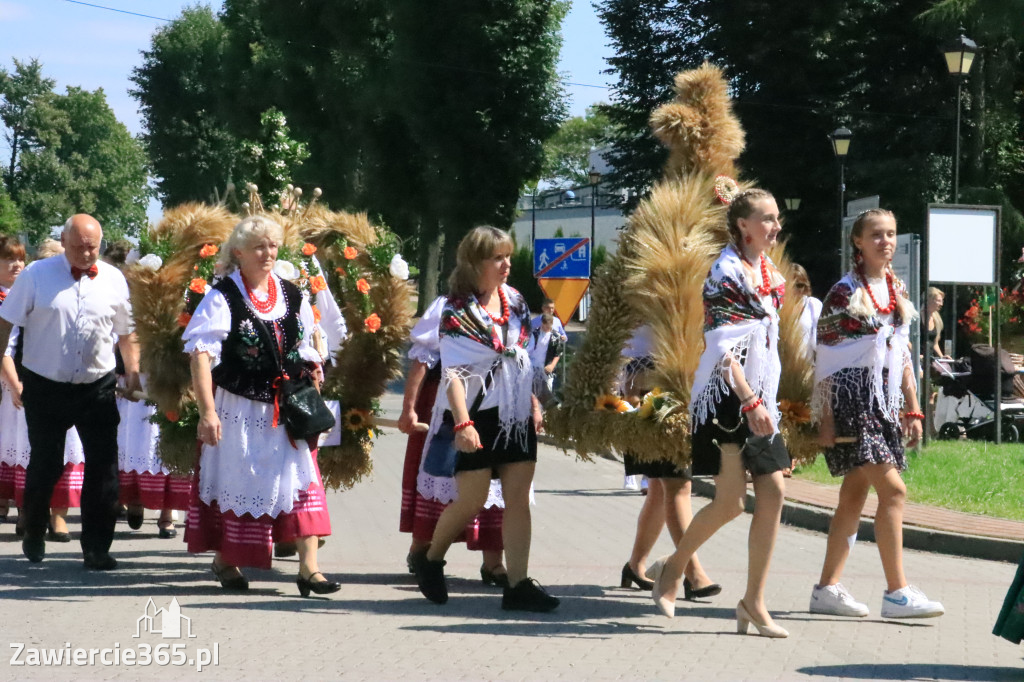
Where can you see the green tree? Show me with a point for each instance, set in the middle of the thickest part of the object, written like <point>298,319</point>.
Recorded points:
<point>30,120</point>
<point>10,216</point>
<point>272,159</point>
<point>567,152</point>
<point>182,96</point>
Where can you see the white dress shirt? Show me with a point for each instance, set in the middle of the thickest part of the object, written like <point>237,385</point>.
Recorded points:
<point>69,326</point>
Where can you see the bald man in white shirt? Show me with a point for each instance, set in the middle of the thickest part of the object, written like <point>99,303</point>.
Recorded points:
<point>69,308</point>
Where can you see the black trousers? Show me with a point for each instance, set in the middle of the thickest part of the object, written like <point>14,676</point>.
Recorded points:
<point>51,408</point>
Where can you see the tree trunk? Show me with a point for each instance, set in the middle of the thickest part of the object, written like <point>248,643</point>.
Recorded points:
<point>431,244</point>
<point>10,171</point>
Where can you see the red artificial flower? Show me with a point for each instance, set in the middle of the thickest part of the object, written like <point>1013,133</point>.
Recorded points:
<point>308,249</point>
<point>350,252</point>
<point>198,285</point>
<point>372,323</point>
<point>317,284</point>
<point>208,250</point>
<point>363,286</point>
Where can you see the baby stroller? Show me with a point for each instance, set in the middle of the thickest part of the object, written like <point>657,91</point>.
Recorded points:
<point>965,406</point>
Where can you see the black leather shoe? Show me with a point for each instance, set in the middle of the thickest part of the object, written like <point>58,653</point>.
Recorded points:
<point>629,577</point>
<point>167,533</point>
<point>58,537</point>
<point>283,550</point>
<point>430,578</point>
<point>34,548</point>
<point>414,559</point>
<point>307,585</point>
<point>238,583</point>
<point>706,591</point>
<point>489,578</point>
<point>135,519</point>
<point>528,595</point>
<point>100,561</point>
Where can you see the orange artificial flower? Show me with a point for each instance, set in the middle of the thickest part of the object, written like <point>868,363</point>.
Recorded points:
<point>198,285</point>
<point>363,286</point>
<point>341,272</point>
<point>317,284</point>
<point>372,323</point>
<point>183,319</point>
<point>208,250</point>
<point>350,252</point>
<point>316,314</point>
<point>308,249</point>
<point>171,415</point>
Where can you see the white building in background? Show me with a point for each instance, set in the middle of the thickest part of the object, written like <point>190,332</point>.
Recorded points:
<point>569,210</point>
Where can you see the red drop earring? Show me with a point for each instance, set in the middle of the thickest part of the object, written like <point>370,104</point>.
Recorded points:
<point>748,239</point>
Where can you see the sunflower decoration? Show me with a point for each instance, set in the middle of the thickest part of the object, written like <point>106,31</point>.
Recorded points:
<point>323,252</point>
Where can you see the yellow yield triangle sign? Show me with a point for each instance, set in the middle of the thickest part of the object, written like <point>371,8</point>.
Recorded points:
<point>566,293</point>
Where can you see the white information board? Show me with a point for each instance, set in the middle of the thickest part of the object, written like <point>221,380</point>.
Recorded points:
<point>962,245</point>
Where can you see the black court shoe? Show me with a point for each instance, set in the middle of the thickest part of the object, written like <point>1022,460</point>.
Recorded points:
<point>430,579</point>
<point>238,583</point>
<point>706,591</point>
<point>34,548</point>
<point>629,577</point>
<point>99,561</point>
<point>489,577</point>
<point>307,585</point>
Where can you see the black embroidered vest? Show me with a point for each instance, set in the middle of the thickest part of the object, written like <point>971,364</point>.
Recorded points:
<point>248,362</point>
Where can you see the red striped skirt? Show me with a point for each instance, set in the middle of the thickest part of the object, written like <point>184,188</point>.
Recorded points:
<point>155,491</point>
<point>67,492</point>
<point>419,515</point>
<point>248,541</point>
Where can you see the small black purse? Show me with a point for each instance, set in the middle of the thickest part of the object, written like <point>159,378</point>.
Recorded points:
<point>302,409</point>
<point>766,454</point>
<point>442,455</point>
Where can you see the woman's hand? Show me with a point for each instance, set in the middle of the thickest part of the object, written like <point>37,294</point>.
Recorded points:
<point>16,390</point>
<point>759,421</point>
<point>913,430</point>
<point>407,420</point>
<point>467,440</point>
<point>538,420</point>
<point>318,377</point>
<point>827,431</point>
<point>209,428</point>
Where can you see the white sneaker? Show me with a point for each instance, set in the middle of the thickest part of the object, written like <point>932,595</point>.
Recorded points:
<point>836,600</point>
<point>909,602</point>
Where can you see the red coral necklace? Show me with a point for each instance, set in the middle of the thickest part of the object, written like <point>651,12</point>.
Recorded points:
<point>500,321</point>
<point>890,284</point>
<point>765,287</point>
<point>267,305</point>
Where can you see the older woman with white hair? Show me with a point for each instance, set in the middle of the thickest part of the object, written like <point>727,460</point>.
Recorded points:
<point>254,485</point>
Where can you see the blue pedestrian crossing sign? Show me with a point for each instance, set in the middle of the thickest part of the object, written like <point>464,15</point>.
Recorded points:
<point>563,258</point>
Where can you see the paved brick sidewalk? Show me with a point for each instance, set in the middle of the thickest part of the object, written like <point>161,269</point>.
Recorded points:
<point>379,628</point>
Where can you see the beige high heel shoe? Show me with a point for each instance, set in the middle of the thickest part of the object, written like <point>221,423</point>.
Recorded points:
<point>744,619</point>
<point>665,607</point>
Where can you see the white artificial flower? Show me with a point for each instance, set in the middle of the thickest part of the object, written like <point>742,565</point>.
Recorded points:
<point>151,261</point>
<point>132,258</point>
<point>285,270</point>
<point>399,268</point>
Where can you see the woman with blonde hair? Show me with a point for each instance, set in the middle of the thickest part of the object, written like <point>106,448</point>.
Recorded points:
<point>733,408</point>
<point>933,330</point>
<point>254,484</point>
<point>864,377</point>
<point>488,403</point>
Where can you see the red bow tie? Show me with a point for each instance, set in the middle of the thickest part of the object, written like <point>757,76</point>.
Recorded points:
<point>90,272</point>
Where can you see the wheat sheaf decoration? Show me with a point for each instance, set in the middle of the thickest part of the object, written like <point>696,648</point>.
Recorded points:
<point>322,250</point>
<point>669,244</point>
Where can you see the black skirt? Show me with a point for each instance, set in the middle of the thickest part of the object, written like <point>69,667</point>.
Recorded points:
<point>494,452</point>
<point>661,468</point>
<point>761,454</point>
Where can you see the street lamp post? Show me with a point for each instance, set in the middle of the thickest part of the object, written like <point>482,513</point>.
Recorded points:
<point>840,138</point>
<point>595,178</point>
<point>959,56</point>
<point>792,204</point>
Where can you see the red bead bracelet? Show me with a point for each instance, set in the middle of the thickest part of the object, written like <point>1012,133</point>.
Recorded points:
<point>752,406</point>
<point>463,425</point>
<point>915,415</point>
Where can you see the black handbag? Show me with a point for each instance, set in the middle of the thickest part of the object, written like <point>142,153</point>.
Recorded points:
<point>442,455</point>
<point>303,410</point>
<point>765,454</point>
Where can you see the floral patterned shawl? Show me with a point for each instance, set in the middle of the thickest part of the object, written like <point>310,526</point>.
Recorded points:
<point>472,346</point>
<point>738,325</point>
<point>851,333</point>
